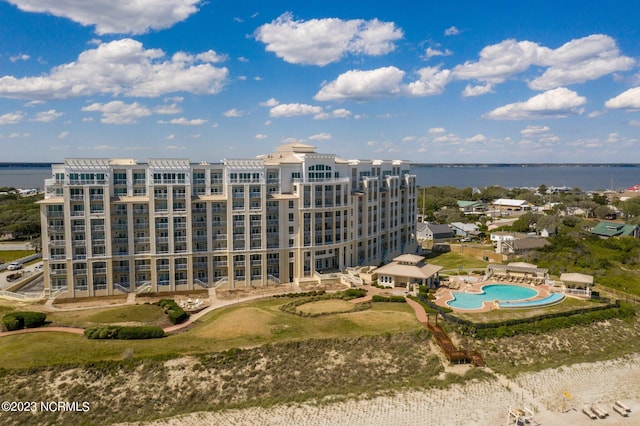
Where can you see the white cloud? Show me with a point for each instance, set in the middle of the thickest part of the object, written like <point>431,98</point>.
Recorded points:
<point>63,135</point>
<point>581,60</point>
<point>17,135</point>
<point>576,61</point>
<point>341,113</point>
<point>121,67</point>
<point>117,112</point>
<point>269,103</point>
<point>261,136</point>
<point>534,130</point>
<point>432,82</point>
<point>290,110</point>
<point>336,113</point>
<point>476,138</point>
<point>170,137</point>
<point>320,137</point>
<point>451,31</point>
<point>47,116</point>
<point>233,112</point>
<point>184,121</point>
<point>629,99</point>
<point>21,57</point>
<point>116,16</point>
<point>470,91</point>
<point>436,130</point>
<point>322,41</point>
<point>500,61</point>
<point>430,53</point>
<point>168,109</point>
<point>11,118</point>
<point>555,103</point>
<point>361,85</point>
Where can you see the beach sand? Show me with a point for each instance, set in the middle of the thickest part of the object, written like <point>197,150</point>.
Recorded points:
<point>474,403</point>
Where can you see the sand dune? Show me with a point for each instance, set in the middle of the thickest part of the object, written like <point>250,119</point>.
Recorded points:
<point>475,403</point>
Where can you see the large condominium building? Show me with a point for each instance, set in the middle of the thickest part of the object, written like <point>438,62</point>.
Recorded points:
<point>117,225</point>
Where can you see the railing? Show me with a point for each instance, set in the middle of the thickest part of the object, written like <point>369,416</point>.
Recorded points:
<point>121,288</point>
<point>200,283</point>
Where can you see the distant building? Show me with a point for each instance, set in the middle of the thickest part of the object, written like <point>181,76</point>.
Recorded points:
<point>472,207</point>
<point>434,232</point>
<point>465,230</point>
<point>614,229</point>
<point>520,246</point>
<point>506,204</point>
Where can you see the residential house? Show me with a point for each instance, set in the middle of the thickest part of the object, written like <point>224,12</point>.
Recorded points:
<point>465,230</point>
<point>520,246</point>
<point>509,205</point>
<point>614,229</point>
<point>472,207</point>
<point>433,232</point>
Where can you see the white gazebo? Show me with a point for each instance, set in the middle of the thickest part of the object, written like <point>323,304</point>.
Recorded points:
<point>576,284</point>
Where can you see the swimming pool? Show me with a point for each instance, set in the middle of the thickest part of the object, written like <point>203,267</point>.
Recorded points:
<point>506,295</point>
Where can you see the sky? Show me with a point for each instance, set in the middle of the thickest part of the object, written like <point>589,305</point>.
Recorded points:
<point>447,82</point>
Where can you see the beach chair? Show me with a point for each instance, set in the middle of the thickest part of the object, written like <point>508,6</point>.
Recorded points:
<point>620,410</point>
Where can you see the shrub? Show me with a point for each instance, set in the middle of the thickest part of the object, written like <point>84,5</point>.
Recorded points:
<point>124,333</point>
<point>378,298</point>
<point>397,299</point>
<point>176,314</point>
<point>26,319</point>
<point>353,293</point>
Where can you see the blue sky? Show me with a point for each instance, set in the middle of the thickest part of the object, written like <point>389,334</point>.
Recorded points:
<point>461,81</point>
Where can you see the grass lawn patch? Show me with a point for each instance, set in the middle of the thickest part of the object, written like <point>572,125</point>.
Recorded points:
<point>11,255</point>
<point>454,261</point>
<point>326,306</point>
<point>133,314</point>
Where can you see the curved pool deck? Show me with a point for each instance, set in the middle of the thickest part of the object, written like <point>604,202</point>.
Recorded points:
<point>538,297</point>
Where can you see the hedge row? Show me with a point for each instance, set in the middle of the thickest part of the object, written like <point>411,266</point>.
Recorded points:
<point>352,293</point>
<point>392,299</point>
<point>124,333</point>
<point>26,319</point>
<point>176,314</point>
<point>534,325</point>
<point>304,294</point>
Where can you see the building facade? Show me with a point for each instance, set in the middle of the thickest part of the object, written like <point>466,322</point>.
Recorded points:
<point>111,226</point>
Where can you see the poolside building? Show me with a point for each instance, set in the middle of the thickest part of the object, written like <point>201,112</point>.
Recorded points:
<point>112,226</point>
<point>407,270</point>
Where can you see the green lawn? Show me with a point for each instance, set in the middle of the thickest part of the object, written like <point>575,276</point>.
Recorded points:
<point>246,325</point>
<point>146,314</point>
<point>11,255</point>
<point>454,261</point>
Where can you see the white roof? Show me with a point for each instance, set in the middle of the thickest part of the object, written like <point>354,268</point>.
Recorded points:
<point>510,202</point>
<point>575,277</point>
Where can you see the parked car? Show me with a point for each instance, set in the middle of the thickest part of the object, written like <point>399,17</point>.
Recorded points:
<point>38,268</point>
<point>14,265</point>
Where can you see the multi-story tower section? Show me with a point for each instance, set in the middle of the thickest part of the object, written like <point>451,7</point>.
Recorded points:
<point>112,226</point>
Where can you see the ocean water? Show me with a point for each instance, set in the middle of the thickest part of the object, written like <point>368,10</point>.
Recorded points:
<point>589,177</point>
<point>24,177</point>
<point>586,177</point>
